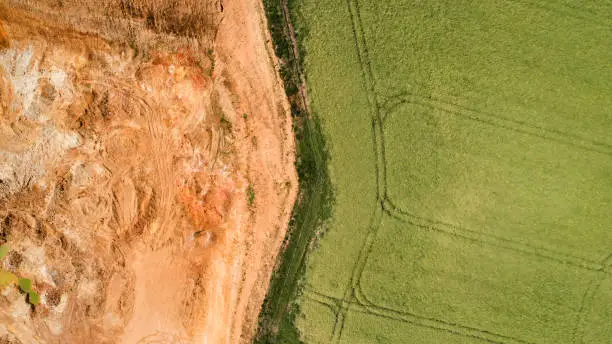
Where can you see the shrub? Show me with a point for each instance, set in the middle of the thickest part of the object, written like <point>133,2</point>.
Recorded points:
<point>250,195</point>
<point>25,284</point>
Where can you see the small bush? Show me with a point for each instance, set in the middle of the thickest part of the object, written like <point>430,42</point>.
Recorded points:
<point>7,278</point>
<point>33,298</point>
<point>250,195</point>
<point>4,249</point>
<point>25,284</point>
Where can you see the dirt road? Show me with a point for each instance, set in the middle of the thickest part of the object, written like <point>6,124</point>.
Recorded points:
<point>244,42</point>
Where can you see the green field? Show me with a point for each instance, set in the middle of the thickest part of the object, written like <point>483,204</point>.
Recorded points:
<point>471,158</point>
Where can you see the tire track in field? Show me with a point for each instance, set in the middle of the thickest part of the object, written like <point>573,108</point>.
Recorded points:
<point>447,326</point>
<point>352,298</point>
<point>357,270</point>
<point>319,298</point>
<point>502,122</point>
<point>368,83</point>
<point>394,211</point>
<point>364,306</point>
<point>488,239</point>
<point>569,11</point>
<point>351,291</point>
<point>468,234</point>
<point>351,295</point>
<point>462,110</point>
<point>588,298</point>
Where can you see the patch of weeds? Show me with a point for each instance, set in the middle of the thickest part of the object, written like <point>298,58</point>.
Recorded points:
<point>226,124</point>
<point>315,199</point>
<point>25,284</point>
<point>4,249</point>
<point>212,66</point>
<point>250,195</point>
<point>132,40</point>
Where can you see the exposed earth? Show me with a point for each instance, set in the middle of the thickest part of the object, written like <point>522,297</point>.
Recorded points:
<point>146,169</point>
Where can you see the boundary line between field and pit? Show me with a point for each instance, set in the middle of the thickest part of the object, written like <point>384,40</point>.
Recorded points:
<point>315,196</point>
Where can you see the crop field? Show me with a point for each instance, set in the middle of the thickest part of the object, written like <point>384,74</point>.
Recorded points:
<point>471,157</point>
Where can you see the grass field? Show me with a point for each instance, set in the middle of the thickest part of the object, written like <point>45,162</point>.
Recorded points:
<point>471,158</point>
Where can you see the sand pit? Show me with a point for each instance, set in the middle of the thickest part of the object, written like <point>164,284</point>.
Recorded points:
<point>146,170</point>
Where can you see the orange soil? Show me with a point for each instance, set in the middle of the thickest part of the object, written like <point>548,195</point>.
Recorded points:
<point>243,43</point>
<point>124,168</point>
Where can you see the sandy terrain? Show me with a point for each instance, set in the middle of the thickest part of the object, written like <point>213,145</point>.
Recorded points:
<point>146,169</point>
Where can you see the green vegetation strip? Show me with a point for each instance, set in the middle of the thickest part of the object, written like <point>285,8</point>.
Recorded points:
<point>313,207</point>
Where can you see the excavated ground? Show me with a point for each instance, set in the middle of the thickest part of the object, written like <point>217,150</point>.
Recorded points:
<point>146,169</point>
